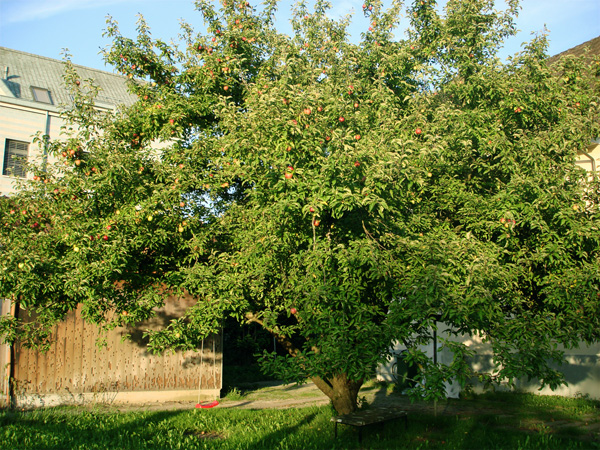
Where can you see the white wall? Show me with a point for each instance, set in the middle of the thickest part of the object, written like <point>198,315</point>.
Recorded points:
<point>20,121</point>
<point>581,370</point>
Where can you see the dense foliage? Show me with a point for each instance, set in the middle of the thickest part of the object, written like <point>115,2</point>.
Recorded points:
<point>340,195</point>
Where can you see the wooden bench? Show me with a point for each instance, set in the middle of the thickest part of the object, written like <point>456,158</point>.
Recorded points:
<point>359,419</point>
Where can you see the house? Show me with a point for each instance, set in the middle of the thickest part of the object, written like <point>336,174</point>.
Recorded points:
<point>75,369</point>
<point>582,368</point>
<point>31,92</point>
<point>589,158</point>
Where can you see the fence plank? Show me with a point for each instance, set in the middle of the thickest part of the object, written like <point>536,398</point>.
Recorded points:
<point>76,365</point>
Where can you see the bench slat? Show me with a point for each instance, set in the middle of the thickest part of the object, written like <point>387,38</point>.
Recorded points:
<point>360,419</point>
<point>369,416</point>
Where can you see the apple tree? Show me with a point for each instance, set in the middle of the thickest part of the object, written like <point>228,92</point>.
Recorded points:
<point>341,195</point>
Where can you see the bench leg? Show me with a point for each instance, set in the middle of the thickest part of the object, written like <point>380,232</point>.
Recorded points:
<point>335,430</point>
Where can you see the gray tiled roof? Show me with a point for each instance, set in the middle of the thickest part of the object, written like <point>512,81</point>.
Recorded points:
<point>25,70</point>
<point>592,47</point>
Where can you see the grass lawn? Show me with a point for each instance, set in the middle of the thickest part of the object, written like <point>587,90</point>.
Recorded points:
<point>498,421</point>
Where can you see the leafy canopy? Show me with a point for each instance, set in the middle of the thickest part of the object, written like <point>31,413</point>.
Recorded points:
<point>341,195</point>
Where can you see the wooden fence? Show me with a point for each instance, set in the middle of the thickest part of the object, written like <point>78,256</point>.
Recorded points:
<point>76,370</point>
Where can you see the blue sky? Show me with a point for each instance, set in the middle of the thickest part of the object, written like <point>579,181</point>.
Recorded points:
<point>45,27</point>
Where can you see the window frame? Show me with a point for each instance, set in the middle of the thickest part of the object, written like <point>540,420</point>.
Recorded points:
<point>13,161</point>
<point>39,94</point>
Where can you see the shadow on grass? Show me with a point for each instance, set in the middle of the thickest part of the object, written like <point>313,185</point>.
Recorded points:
<point>63,428</point>
<point>273,439</point>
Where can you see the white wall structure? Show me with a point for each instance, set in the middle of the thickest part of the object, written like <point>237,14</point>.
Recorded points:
<point>581,370</point>
<point>31,93</point>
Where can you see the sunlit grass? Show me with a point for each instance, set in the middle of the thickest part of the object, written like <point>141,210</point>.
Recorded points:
<point>507,421</point>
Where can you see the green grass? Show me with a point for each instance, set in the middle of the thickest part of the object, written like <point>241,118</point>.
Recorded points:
<point>499,421</point>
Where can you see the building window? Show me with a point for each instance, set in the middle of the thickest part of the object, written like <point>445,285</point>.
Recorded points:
<point>15,157</point>
<point>41,95</point>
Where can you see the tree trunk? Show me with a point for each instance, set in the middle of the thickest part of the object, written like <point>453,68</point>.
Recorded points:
<point>342,392</point>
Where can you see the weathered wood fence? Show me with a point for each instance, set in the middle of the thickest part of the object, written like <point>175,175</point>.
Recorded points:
<point>76,370</point>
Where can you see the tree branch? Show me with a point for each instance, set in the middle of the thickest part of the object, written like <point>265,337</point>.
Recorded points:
<point>282,340</point>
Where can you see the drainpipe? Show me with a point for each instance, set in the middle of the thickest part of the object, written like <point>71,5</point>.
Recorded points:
<point>8,368</point>
<point>11,399</point>
<point>435,409</point>
<point>46,140</point>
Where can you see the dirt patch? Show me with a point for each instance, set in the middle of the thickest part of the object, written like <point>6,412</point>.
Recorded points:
<point>205,435</point>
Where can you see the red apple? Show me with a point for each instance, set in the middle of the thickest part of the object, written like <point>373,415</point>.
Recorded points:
<point>105,237</point>
<point>316,223</point>
<point>311,209</point>
<point>288,175</point>
<point>356,164</point>
<point>293,310</point>
<point>418,131</point>
<point>307,111</point>
<point>341,119</point>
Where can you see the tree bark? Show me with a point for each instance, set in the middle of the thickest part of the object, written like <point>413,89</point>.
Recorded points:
<point>342,392</point>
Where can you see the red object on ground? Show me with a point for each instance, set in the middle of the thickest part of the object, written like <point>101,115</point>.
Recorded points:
<point>207,405</point>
